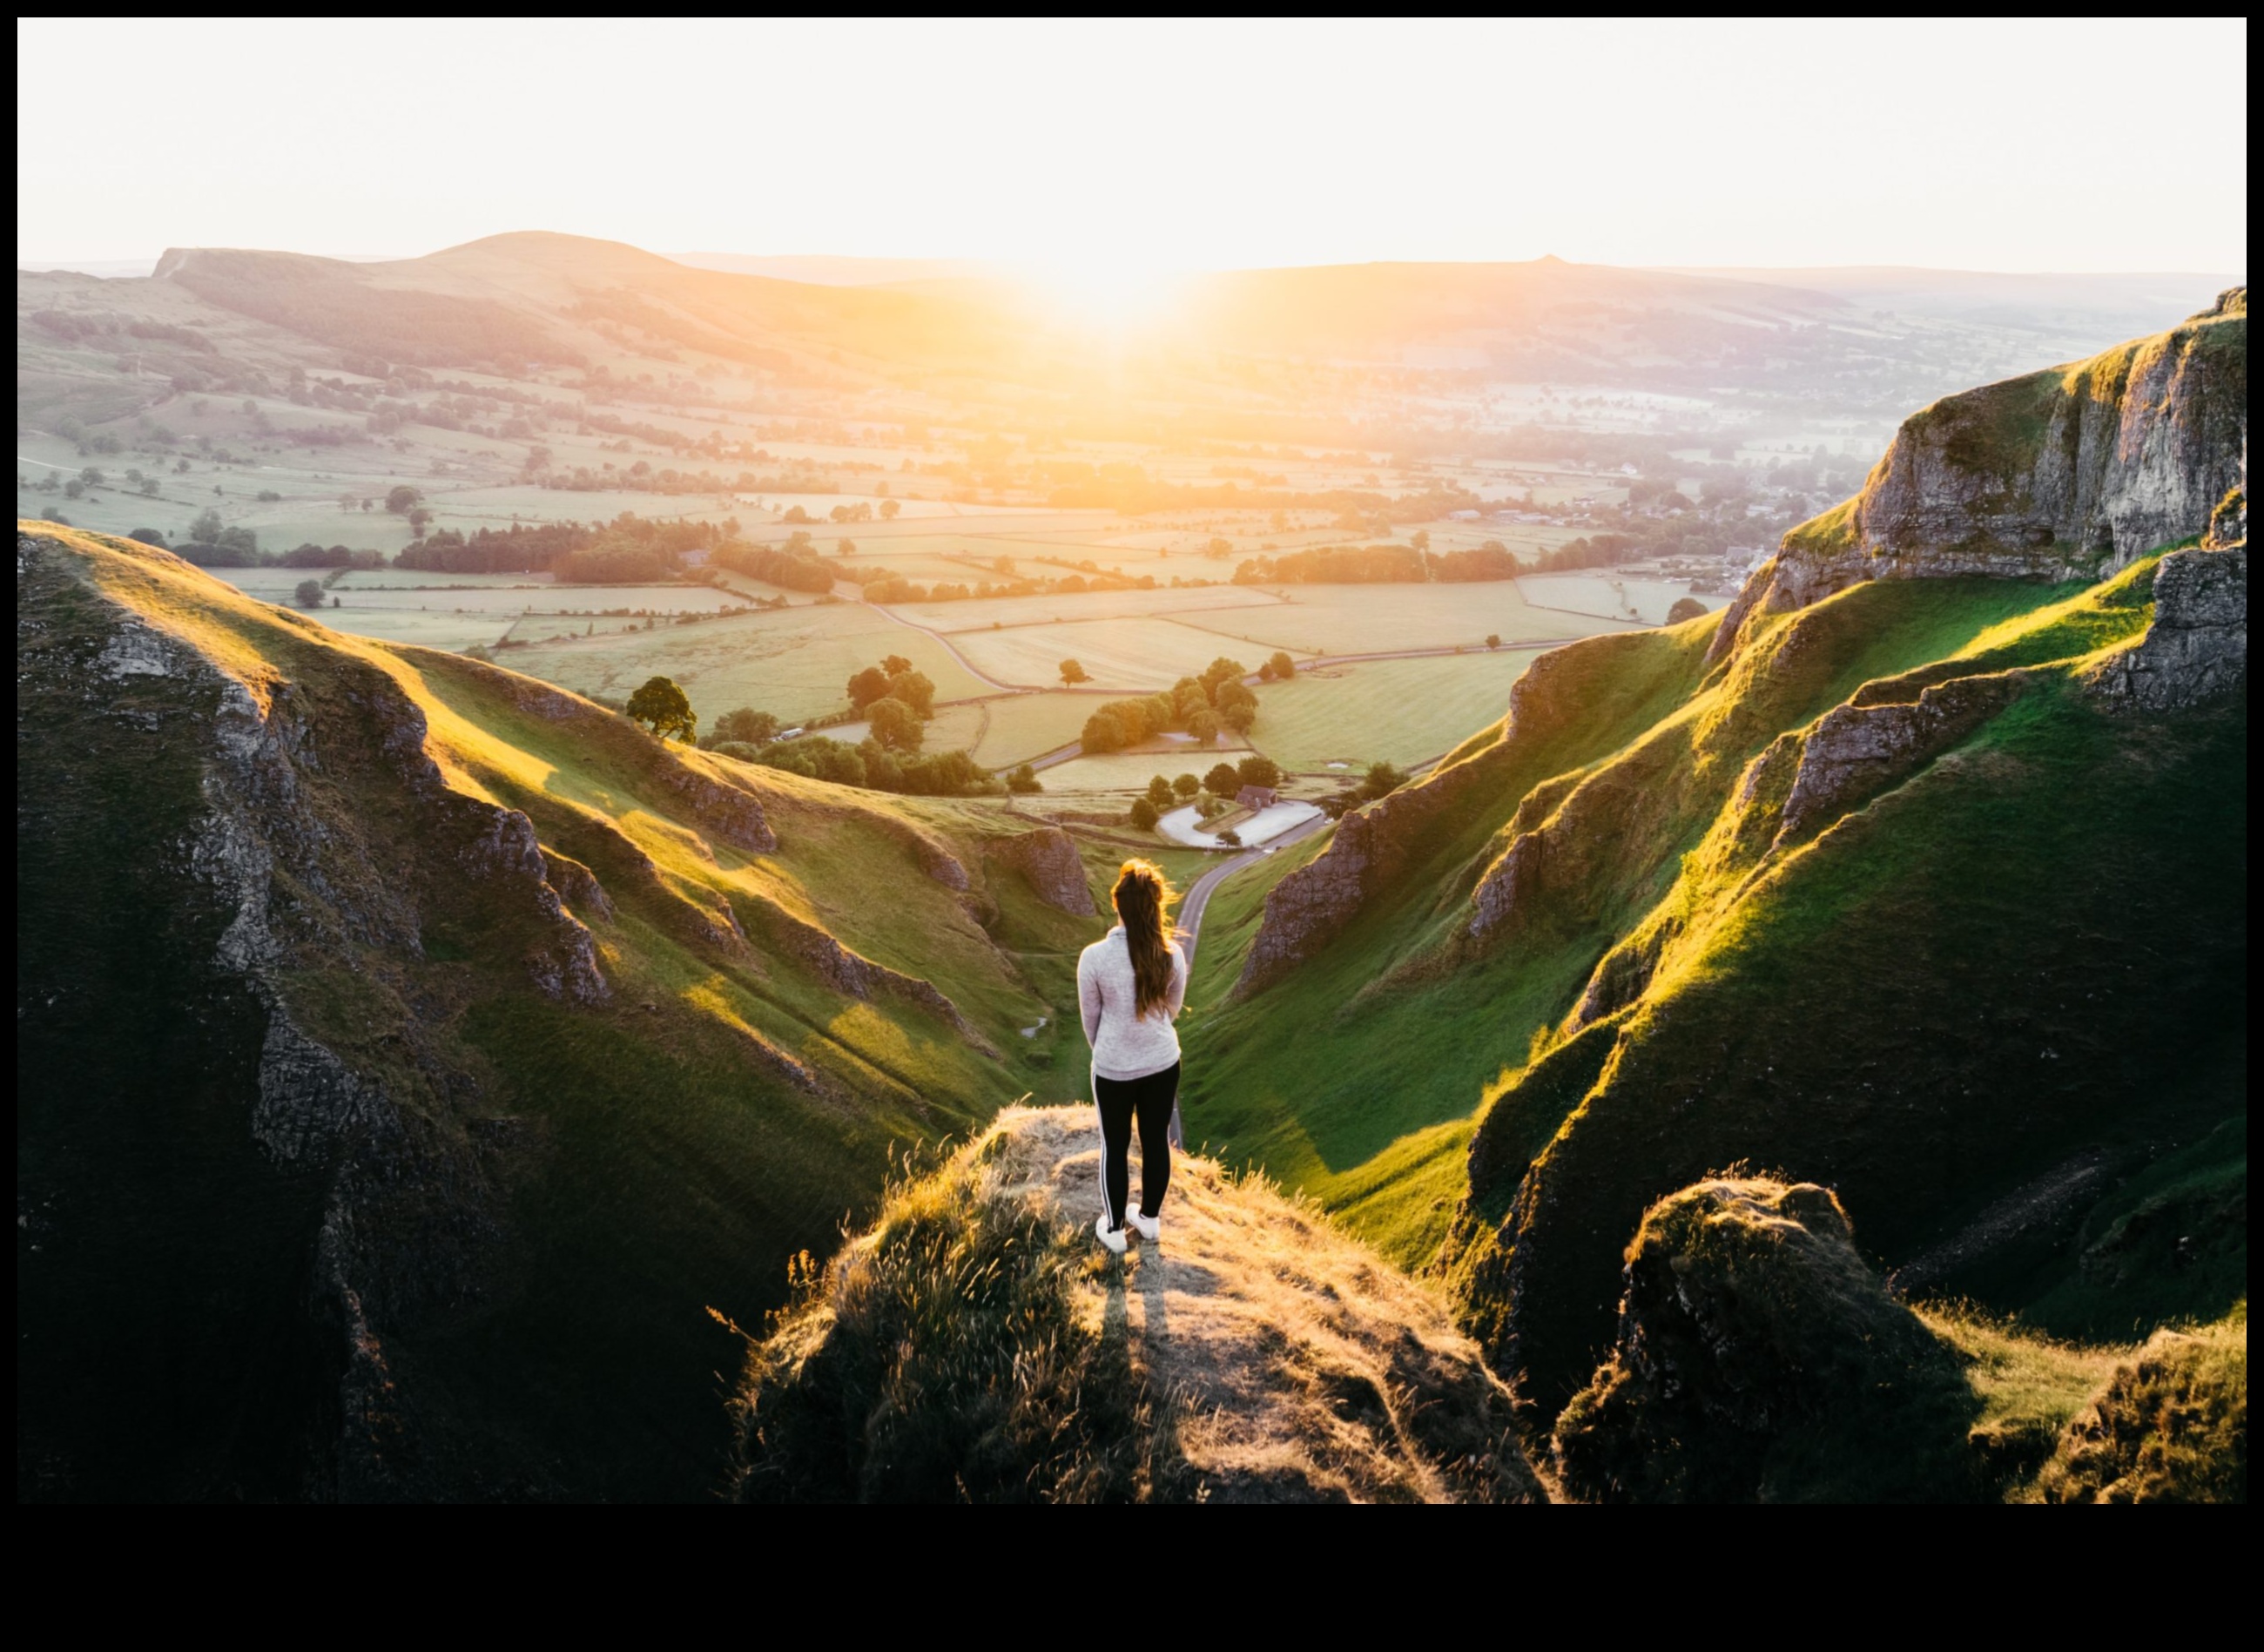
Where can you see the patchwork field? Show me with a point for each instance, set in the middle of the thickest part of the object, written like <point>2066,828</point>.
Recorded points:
<point>1356,619</point>
<point>1113,780</point>
<point>793,663</point>
<point>1402,711</point>
<point>1608,595</point>
<point>1018,727</point>
<point>1131,654</point>
<point>1074,607</point>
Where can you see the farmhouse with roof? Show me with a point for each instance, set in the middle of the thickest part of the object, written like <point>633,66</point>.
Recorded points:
<point>1257,797</point>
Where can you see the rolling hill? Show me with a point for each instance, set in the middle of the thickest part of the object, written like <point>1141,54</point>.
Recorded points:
<point>1920,874</point>
<point>410,1054</point>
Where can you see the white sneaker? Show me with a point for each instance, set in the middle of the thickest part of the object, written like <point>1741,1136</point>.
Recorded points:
<point>1148,1227</point>
<point>1112,1237</point>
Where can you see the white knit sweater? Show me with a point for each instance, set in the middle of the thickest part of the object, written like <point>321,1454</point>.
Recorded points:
<point>1126,1045</point>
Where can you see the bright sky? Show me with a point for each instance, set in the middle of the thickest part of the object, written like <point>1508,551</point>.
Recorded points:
<point>2075,146</point>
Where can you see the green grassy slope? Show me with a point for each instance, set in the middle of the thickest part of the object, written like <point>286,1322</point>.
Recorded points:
<point>2011,962</point>
<point>542,1195</point>
<point>1399,1025</point>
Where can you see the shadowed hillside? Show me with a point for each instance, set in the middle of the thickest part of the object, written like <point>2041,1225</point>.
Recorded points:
<point>409,1053</point>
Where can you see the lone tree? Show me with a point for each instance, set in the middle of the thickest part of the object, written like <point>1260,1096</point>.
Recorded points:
<point>1072,673</point>
<point>308,595</point>
<point>895,724</point>
<point>1186,786</point>
<point>1493,639</point>
<point>1203,726</point>
<point>1685,608</point>
<point>1024,781</point>
<point>1159,792</point>
<point>1143,814</point>
<point>401,498</point>
<point>1284,668</point>
<point>1383,780</point>
<point>1221,780</point>
<point>661,707</point>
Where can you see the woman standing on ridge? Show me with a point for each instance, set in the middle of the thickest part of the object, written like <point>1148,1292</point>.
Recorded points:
<point>1130,983</point>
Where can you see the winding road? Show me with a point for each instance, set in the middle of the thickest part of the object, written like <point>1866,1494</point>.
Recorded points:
<point>1197,900</point>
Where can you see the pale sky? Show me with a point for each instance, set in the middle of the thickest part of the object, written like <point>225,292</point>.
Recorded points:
<point>2075,146</point>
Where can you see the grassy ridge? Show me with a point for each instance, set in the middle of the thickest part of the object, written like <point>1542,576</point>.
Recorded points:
<point>594,1175</point>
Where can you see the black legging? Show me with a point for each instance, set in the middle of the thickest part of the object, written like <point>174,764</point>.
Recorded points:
<point>1152,1098</point>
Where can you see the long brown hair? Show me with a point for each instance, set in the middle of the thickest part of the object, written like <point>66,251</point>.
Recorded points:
<point>1140,894</point>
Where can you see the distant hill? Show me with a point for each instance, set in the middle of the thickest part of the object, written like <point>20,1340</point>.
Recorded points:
<point>411,1053</point>
<point>826,270</point>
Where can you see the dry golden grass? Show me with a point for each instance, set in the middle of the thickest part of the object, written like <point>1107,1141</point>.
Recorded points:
<point>1304,1364</point>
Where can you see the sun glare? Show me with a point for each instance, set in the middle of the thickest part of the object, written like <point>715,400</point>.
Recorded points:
<point>1113,290</point>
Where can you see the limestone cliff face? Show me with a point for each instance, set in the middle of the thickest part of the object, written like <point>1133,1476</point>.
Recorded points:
<point>2067,474</point>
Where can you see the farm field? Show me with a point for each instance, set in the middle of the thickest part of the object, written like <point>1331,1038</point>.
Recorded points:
<point>1113,780</point>
<point>1018,727</point>
<point>419,580</point>
<point>925,566</point>
<point>1137,652</point>
<point>1609,595</point>
<point>793,663</point>
<point>434,628</point>
<point>1358,619</point>
<point>1073,606</point>
<point>1400,711</point>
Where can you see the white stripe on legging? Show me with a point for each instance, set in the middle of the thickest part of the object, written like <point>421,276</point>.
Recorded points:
<point>1101,1119</point>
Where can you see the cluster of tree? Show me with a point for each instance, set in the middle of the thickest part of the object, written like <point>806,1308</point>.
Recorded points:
<point>1381,781</point>
<point>212,544</point>
<point>1223,781</point>
<point>896,703</point>
<point>871,765</point>
<point>1218,699</point>
<point>313,556</point>
<point>796,569</point>
<point>1413,563</point>
<point>659,548</point>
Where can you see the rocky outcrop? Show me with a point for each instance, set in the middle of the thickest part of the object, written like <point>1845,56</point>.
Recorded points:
<point>2067,474</point>
<point>577,886</point>
<point>1310,907</point>
<point>1855,751</point>
<point>723,811</point>
<point>1048,863</point>
<point>2196,649</point>
<point>1759,1359</point>
<point>856,975</point>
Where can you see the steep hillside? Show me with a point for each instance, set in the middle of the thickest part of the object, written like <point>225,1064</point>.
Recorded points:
<point>975,1345</point>
<point>1923,877</point>
<point>409,1053</point>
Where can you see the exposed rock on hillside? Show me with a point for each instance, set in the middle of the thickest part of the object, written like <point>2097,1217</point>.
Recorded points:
<point>1254,1355</point>
<point>1048,860</point>
<point>2197,648</point>
<point>858,977</point>
<point>1373,845</point>
<point>2067,474</point>
<point>1855,751</point>
<point>1759,1359</point>
<point>331,1105</point>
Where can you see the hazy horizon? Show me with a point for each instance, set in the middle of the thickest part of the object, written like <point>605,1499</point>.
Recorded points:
<point>1115,154</point>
